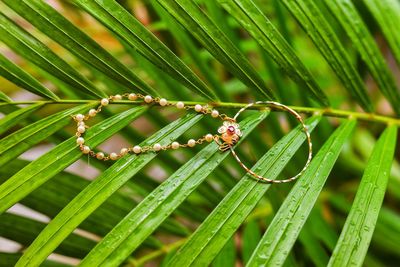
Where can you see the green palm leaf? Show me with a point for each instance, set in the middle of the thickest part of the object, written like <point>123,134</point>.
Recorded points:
<point>23,79</point>
<point>27,229</point>
<point>387,14</point>
<point>365,209</point>
<point>17,116</point>
<point>4,97</point>
<point>9,259</point>
<point>69,185</point>
<point>190,47</point>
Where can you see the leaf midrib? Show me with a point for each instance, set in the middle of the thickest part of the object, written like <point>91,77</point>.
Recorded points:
<point>327,112</point>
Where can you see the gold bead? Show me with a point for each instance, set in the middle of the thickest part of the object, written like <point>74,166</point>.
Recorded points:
<point>86,150</point>
<point>81,129</point>
<point>148,99</point>
<point>132,97</point>
<point>157,147</point>
<point>113,156</point>
<point>214,113</point>
<point>198,108</point>
<point>163,102</point>
<point>100,155</point>
<point>124,151</point>
<point>79,117</point>
<point>191,143</point>
<point>137,149</point>
<point>104,102</point>
<point>175,145</point>
<point>92,112</point>
<point>209,137</point>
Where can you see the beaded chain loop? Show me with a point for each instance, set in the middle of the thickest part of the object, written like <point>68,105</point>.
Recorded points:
<point>81,126</point>
<point>228,134</point>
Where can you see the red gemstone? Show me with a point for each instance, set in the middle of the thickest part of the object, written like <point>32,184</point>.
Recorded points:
<point>231,130</point>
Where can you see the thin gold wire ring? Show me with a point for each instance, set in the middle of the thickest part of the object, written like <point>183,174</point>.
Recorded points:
<point>306,132</point>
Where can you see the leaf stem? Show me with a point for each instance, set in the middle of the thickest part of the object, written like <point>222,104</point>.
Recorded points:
<point>371,117</point>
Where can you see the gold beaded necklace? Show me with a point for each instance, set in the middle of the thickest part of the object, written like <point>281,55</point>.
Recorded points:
<point>228,134</point>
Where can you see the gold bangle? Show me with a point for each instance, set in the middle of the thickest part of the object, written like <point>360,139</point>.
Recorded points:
<point>306,132</point>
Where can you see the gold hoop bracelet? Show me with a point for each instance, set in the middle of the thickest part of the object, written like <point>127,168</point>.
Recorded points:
<point>229,132</point>
<point>306,132</point>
